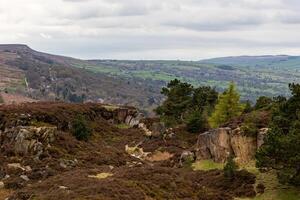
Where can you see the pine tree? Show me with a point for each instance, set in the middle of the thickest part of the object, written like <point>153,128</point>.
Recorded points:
<point>281,148</point>
<point>228,107</point>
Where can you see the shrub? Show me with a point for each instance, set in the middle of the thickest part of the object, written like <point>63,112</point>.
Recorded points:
<point>230,168</point>
<point>1,99</point>
<point>196,122</point>
<point>81,129</point>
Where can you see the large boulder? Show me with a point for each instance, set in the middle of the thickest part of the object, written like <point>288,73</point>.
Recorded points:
<point>218,144</point>
<point>214,144</point>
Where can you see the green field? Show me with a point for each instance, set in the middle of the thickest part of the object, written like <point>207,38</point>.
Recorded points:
<point>253,80</point>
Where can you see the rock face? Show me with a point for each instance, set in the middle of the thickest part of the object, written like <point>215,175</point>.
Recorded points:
<point>244,148</point>
<point>214,144</point>
<point>218,144</point>
<point>24,140</point>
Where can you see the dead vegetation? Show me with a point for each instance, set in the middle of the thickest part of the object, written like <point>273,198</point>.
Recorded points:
<point>100,168</point>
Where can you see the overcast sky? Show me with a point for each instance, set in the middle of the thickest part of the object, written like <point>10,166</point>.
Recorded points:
<point>153,29</point>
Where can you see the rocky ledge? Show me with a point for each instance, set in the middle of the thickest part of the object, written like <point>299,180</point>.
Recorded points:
<point>218,144</point>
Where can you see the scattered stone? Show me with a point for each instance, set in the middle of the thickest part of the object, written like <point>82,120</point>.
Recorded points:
<point>24,177</point>
<point>27,168</point>
<point>136,152</point>
<point>63,187</point>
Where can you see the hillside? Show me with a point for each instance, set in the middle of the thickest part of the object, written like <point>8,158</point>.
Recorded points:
<point>43,76</point>
<point>48,77</point>
<point>252,81</point>
<point>41,159</point>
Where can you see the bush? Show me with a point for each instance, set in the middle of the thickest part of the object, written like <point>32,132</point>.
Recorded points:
<point>230,168</point>
<point>196,122</point>
<point>81,129</point>
<point>1,99</point>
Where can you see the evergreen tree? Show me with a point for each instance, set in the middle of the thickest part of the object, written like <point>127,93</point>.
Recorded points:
<point>230,168</point>
<point>186,104</point>
<point>281,149</point>
<point>179,96</point>
<point>227,108</point>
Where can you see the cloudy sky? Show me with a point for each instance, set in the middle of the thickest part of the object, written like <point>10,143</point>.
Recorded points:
<point>153,29</point>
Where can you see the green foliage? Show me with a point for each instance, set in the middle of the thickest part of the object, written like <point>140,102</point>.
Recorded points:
<point>248,108</point>
<point>186,104</point>
<point>230,168</point>
<point>263,102</point>
<point>179,96</point>
<point>80,128</point>
<point>281,150</point>
<point>227,108</point>
<point>1,99</point>
<point>197,122</point>
<point>251,124</point>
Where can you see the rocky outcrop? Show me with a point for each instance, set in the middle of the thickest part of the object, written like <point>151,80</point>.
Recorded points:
<point>27,140</point>
<point>61,114</point>
<point>244,148</point>
<point>214,144</point>
<point>218,144</point>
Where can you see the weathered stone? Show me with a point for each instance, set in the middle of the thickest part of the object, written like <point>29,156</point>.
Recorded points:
<point>26,140</point>
<point>261,136</point>
<point>157,129</point>
<point>214,144</point>
<point>24,177</point>
<point>15,166</point>
<point>243,147</point>
<point>219,143</point>
<point>136,120</point>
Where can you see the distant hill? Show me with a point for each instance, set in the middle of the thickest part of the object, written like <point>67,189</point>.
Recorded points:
<point>38,75</point>
<point>258,61</point>
<point>44,76</point>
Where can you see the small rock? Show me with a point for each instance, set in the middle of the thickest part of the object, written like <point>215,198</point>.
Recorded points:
<point>24,177</point>
<point>6,177</point>
<point>1,185</point>
<point>28,169</point>
<point>15,166</point>
<point>63,187</point>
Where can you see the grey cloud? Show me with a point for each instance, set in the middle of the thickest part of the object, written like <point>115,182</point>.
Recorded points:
<point>152,28</point>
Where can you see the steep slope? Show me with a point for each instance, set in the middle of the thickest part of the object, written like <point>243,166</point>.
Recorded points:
<point>49,77</point>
